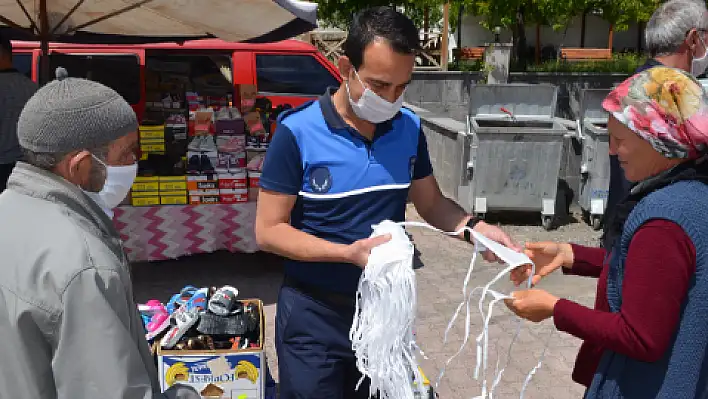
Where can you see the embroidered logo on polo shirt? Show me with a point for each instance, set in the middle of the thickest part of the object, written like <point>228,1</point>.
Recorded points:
<point>320,179</point>
<point>411,166</point>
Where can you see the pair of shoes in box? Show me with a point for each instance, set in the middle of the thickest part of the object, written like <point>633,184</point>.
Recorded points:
<point>202,144</point>
<point>200,164</point>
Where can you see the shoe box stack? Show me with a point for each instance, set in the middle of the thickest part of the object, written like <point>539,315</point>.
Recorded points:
<point>231,165</point>
<point>209,339</point>
<point>216,165</point>
<point>161,179</point>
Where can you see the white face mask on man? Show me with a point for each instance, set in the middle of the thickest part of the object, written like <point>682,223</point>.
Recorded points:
<point>371,107</point>
<point>700,64</point>
<point>119,180</point>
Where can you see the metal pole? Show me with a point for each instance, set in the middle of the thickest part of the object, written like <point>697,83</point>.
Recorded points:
<point>44,36</point>
<point>445,34</point>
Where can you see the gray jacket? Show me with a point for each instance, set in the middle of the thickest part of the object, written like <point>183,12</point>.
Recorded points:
<point>69,326</point>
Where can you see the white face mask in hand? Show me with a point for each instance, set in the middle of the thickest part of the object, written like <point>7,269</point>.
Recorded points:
<point>371,107</point>
<point>119,180</point>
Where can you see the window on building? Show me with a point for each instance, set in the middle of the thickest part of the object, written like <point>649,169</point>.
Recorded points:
<point>292,74</point>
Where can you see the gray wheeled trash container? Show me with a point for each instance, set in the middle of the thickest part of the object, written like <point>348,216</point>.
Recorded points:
<point>515,150</point>
<point>595,164</point>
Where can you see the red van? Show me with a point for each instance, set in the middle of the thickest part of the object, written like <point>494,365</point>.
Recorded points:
<point>289,72</point>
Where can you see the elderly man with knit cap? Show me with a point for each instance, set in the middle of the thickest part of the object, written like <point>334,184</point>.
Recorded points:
<point>69,327</point>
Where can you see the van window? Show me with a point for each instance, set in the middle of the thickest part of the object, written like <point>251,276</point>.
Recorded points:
<point>292,74</point>
<point>23,63</point>
<point>121,72</point>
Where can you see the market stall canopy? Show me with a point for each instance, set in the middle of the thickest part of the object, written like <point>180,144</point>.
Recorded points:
<point>133,21</point>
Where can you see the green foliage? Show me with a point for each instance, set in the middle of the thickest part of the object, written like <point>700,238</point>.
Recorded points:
<point>338,13</point>
<point>558,14</point>
<point>620,63</point>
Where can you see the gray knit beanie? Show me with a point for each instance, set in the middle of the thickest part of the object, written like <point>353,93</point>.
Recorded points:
<point>70,114</point>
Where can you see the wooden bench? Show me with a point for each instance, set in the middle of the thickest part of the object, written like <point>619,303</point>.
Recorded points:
<point>472,53</point>
<point>586,54</point>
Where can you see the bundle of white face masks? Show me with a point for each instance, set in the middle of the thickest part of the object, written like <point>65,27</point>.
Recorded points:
<point>382,331</point>
<point>381,334</point>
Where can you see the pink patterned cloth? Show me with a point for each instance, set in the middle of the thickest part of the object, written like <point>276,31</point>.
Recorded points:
<point>156,233</point>
<point>665,106</point>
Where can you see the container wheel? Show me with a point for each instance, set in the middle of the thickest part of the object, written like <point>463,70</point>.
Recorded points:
<point>596,222</point>
<point>547,222</point>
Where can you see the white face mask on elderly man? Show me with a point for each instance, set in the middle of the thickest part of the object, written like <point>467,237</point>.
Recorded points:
<point>371,107</point>
<point>699,65</point>
<point>119,180</point>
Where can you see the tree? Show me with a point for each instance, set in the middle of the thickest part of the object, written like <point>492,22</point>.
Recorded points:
<point>338,13</point>
<point>620,13</point>
<point>517,14</point>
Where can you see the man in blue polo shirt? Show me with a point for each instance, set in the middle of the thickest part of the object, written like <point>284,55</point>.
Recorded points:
<point>335,167</point>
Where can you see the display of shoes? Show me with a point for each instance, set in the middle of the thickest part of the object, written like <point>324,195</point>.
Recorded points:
<point>204,319</point>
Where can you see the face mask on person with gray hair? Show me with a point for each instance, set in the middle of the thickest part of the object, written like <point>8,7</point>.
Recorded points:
<point>699,64</point>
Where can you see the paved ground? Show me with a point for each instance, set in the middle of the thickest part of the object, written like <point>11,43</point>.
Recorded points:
<point>440,291</point>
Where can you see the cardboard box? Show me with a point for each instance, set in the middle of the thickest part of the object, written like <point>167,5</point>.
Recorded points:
<point>255,124</point>
<point>202,182</point>
<point>233,196</point>
<point>173,183</point>
<point>143,184</point>
<point>153,146</point>
<point>230,373</point>
<point>204,199</point>
<point>247,97</point>
<point>152,134</point>
<point>173,197</point>
<point>204,192</point>
<point>254,179</point>
<point>233,181</point>
<point>147,198</point>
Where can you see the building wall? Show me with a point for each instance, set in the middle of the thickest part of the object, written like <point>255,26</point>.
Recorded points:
<point>596,34</point>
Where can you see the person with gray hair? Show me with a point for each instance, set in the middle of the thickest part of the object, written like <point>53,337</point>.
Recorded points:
<point>676,36</point>
<point>15,90</point>
<point>70,327</point>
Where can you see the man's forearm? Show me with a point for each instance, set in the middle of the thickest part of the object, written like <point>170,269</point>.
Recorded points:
<point>289,242</point>
<point>446,215</point>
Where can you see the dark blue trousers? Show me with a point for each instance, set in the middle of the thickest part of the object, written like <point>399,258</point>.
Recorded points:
<point>315,359</point>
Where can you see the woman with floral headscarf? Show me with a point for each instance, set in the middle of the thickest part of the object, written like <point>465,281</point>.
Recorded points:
<point>647,336</point>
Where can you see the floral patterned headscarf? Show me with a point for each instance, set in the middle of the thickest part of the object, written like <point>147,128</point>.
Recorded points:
<point>666,107</point>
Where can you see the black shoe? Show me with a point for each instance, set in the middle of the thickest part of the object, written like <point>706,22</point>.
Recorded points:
<point>194,167</point>
<point>207,167</point>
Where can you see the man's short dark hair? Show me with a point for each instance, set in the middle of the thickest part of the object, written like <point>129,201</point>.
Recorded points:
<point>5,46</point>
<point>380,23</point>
